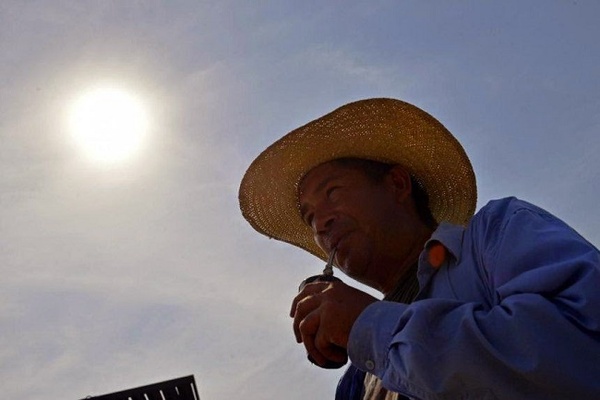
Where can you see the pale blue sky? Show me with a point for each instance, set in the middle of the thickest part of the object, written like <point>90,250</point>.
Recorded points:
<point>120,276</point>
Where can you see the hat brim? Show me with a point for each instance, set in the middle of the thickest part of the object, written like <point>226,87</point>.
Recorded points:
<point>386,130</point>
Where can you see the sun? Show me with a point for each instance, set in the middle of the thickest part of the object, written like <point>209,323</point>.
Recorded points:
<point>108,124</point>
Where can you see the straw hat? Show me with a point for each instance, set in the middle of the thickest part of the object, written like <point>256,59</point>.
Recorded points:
<point>385,130</point>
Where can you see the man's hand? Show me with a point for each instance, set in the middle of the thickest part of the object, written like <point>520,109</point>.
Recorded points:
<point>324,313</point>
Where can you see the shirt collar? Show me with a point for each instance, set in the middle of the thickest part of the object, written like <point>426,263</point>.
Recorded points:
<point>451,236</point>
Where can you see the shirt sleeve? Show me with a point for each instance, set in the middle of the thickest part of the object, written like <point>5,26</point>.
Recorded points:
<point>540,338</point>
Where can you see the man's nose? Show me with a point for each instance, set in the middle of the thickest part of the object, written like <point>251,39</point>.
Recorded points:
<point>322,221</point>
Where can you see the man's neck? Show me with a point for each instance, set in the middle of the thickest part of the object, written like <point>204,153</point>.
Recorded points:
<point>407,268</point>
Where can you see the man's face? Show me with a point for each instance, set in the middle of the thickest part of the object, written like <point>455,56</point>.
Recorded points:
<point>348,211</point>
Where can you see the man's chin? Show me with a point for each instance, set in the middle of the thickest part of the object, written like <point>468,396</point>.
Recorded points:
<point>352,267</point>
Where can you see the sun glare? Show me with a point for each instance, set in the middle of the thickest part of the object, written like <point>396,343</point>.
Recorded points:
<point>108,124</point>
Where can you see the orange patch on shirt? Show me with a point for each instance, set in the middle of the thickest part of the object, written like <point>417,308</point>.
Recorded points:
<point>436,255</point>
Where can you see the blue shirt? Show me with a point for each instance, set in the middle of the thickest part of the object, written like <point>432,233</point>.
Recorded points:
<point>511,312</point>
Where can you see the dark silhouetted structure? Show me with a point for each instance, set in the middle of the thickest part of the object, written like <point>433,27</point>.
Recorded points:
<point>176,389</point>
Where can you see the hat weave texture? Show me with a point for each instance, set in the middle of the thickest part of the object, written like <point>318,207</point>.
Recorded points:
<point>386,130</point>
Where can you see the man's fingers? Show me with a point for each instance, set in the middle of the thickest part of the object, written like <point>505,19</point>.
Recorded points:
<point>303,308</point>
<point>308,290</point>
<point>308,328</point>
<point>318,346</point>
<point>329,350</point>
<point>324,313</point>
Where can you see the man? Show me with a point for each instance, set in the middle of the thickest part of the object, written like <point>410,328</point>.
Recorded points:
<point>503,304</point>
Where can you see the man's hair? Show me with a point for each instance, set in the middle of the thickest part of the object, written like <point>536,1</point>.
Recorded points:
<point>377,170</point>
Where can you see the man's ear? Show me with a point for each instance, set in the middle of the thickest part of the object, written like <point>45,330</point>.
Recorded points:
<point>401,182</point>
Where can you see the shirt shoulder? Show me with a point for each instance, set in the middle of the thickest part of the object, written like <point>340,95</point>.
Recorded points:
<point>499,218</point>
<point>490,223</point>
<point>514,238</point>
<point>507,207</point>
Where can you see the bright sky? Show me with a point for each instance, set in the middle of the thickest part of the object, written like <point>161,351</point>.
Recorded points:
<point>124,273</point>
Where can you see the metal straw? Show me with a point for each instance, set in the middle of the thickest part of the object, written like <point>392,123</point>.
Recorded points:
<point>328,271</point>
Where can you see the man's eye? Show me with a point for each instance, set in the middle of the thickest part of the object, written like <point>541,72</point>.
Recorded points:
<point>332,193</point>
